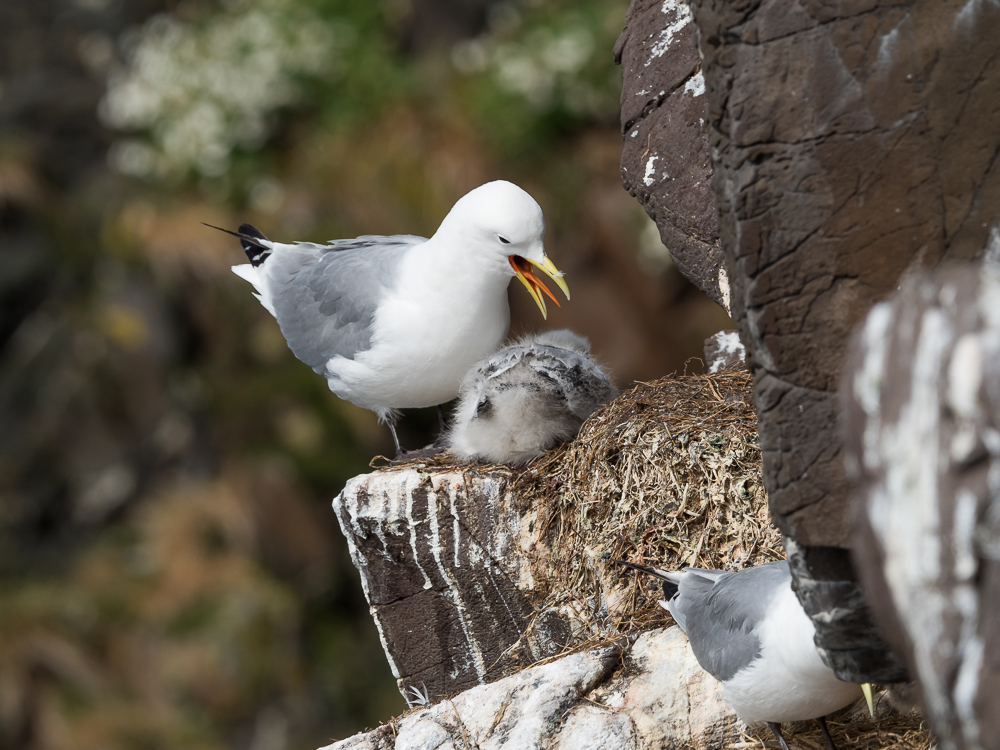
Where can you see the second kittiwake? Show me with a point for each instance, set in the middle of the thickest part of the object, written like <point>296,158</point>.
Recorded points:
<point>748,630</point>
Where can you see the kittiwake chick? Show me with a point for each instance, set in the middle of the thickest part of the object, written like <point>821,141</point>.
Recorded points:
<point>527,398</point>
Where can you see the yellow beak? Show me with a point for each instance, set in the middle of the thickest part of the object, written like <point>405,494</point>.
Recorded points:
<point>526,275</point>
<point>866,688</point>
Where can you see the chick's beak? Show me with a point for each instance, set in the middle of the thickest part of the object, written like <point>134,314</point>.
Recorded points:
<point>524,270</point>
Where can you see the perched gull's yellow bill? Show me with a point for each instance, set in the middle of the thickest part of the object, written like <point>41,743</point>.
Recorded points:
<point>866,688</point>
<point>523,270</point>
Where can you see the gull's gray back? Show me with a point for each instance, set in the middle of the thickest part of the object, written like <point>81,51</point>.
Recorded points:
<point>325,296</point>
<point>720,612</point>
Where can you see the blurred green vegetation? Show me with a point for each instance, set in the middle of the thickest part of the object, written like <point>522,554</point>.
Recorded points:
<point>170,571</point>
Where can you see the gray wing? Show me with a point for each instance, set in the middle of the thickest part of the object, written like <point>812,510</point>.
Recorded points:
<point>720,611</point>
<point>325,296</point>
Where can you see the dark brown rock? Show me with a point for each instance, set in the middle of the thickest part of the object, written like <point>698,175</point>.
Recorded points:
<point>851,141</point>
<point>922,438</point>
<point>665,159</point>
<point>435,553</point>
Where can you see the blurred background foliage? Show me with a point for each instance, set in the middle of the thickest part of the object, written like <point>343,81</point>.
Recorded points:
<point>170,571</point>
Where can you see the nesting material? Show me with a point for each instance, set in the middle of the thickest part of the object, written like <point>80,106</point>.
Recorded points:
<point>527,398</point>
<point>668,474</point>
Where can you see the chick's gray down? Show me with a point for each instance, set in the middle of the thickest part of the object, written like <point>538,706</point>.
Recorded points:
<point>527,398</point>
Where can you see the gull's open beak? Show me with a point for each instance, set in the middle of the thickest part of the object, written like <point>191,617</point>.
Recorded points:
<point>525,273</point>
<point>866,688</point>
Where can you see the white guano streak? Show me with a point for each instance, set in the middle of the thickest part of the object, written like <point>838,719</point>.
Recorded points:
<point>869,378</point>
<point>695,85</point>
<point>682,18</point>
<point>965,378</point>
<point>966,599</point>
<point>455,527</point>
<point>910,526</point>
<point>412,524</point>
<point>474,655</point>
<point>724,291</point>
<point>968,16</point>
<point>348,500</point>
<point>650,177</point>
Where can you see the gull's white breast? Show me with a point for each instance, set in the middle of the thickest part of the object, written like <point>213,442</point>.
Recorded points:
<point>788,681</point>
<point>428,333</point>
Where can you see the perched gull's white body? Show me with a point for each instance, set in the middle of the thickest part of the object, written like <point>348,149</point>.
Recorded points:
<point>749,631</point>
<point>396,322</point>
<point>527,398</point>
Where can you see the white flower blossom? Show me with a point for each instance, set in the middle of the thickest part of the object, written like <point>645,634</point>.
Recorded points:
<point>199,91</point>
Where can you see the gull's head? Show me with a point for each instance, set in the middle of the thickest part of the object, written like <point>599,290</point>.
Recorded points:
<point>502,220</point>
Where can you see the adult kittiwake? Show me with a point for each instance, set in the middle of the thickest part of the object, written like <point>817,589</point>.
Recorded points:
<point>397,322</point>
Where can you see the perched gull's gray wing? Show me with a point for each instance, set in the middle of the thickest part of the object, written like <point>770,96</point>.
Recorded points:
<point>325,296</point>
<point>720,612</point>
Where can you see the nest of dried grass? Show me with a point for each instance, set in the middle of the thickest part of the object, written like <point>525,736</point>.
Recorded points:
<point>669,474</point>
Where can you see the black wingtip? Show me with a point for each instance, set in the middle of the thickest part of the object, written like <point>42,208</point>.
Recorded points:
<point>248,236</point>
<point>249,230</point>
<point>634,566</point>
<point>669,587</point>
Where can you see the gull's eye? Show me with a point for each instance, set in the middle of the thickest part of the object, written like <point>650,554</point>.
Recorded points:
<point>503,240</point>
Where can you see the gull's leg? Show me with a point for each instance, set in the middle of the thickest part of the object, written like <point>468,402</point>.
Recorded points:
<point>775,727</point>
<point>395,438</point>
<point>826,733</point>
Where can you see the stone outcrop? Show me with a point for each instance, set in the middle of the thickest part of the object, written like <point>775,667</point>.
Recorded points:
<point>651,693</point>
<point>443,569</point>
<point>850,142</point>
<point>922,436</point>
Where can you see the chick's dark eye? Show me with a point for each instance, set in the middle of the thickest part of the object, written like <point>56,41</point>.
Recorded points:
<point>504,240</point>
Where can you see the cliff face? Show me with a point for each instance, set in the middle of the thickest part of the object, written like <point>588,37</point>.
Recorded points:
<point>849,144</point>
